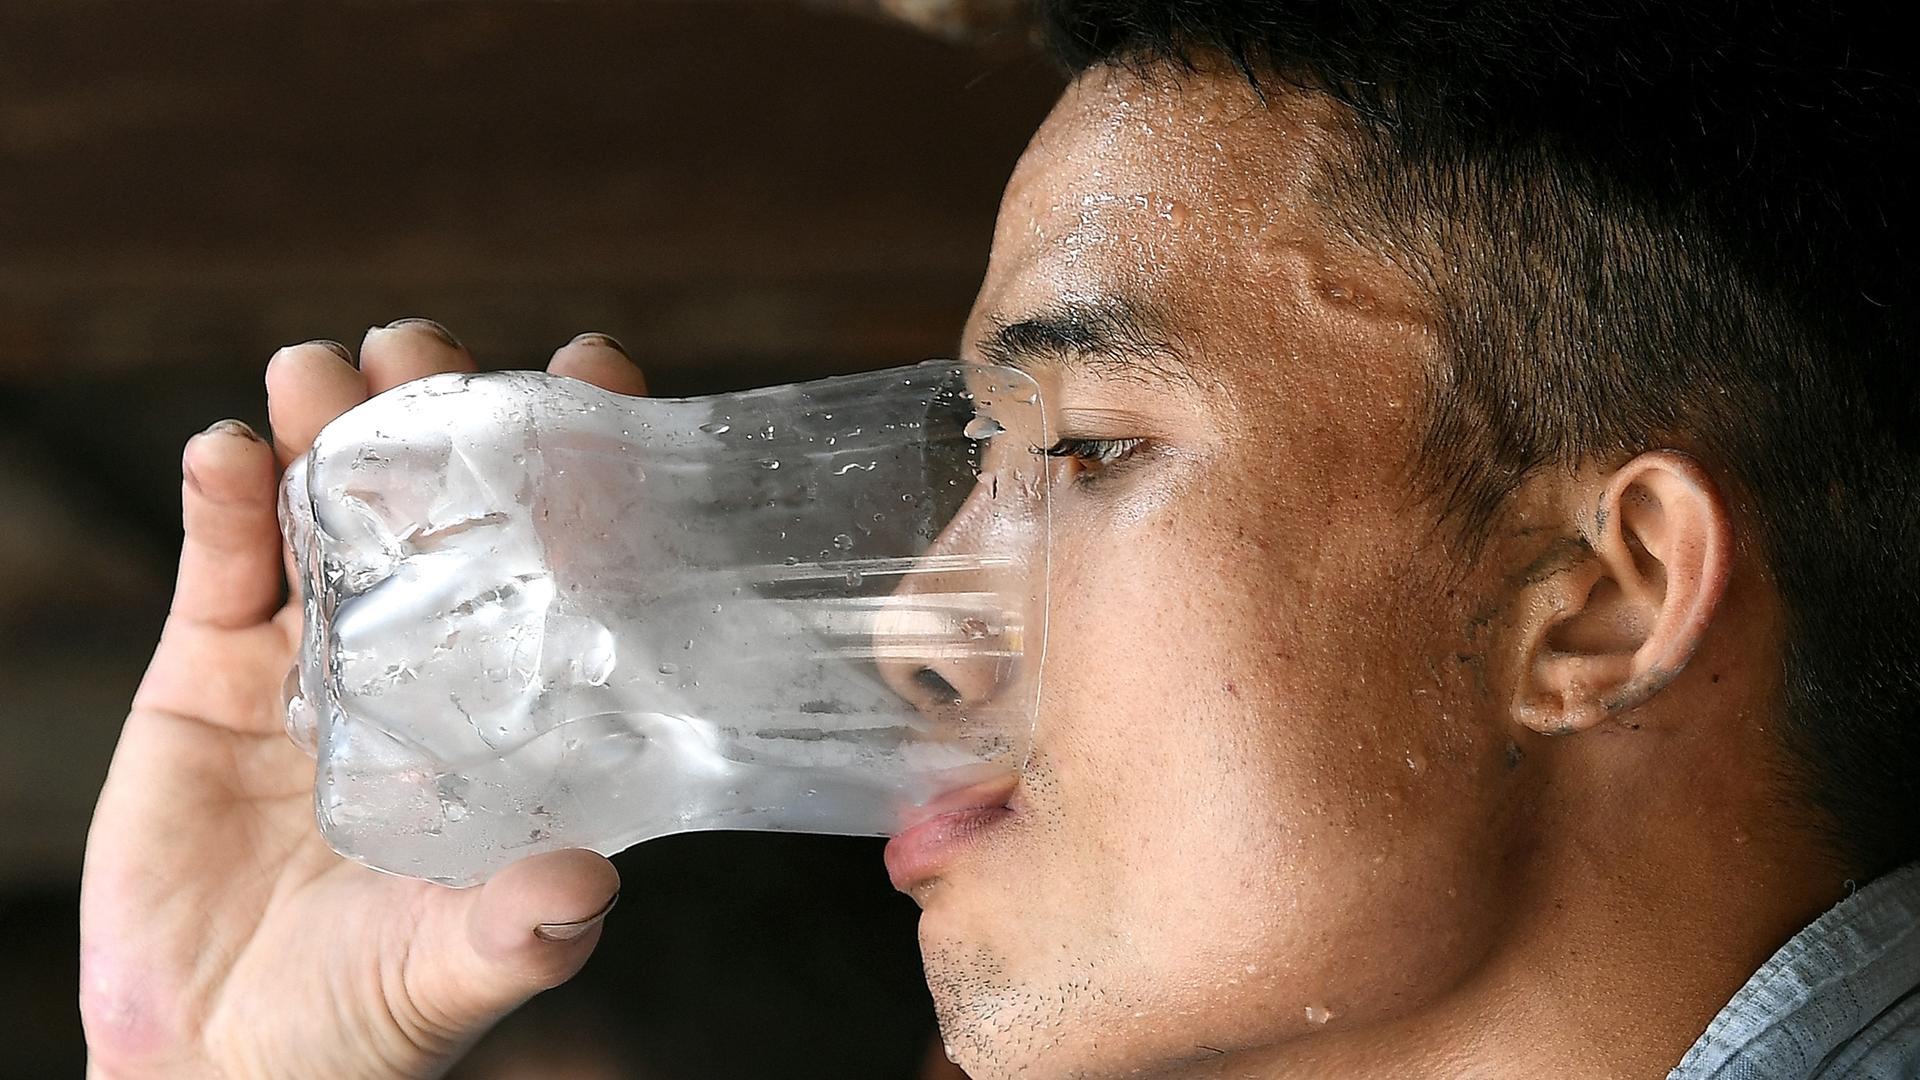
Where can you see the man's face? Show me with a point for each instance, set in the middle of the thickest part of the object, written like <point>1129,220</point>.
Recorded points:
<point>1269,794</point>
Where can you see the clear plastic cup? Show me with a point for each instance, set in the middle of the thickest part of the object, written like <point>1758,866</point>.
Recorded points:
<point>541,615</point>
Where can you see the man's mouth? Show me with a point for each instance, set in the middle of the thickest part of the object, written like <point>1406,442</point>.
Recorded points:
<point>937,832</point>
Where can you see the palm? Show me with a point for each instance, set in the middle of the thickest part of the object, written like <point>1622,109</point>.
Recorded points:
<point>219,932</point>
<point>218,818</point>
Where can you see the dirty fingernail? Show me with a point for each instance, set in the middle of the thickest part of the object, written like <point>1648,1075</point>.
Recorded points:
<point>604,341</point>
<point>431,327</point>
<point>571,931</point>
<point>333,347</point>
<point>232,427</point>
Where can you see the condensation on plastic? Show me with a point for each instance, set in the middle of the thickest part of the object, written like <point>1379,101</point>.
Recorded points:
<point>540,615</point>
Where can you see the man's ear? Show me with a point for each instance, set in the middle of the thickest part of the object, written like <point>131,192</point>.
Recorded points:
<point>1609,622</point>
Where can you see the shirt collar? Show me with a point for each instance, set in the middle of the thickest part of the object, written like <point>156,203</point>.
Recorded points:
<point>1822,988</point>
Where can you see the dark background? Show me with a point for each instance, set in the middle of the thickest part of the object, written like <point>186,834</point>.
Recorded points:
<point>743,193</point>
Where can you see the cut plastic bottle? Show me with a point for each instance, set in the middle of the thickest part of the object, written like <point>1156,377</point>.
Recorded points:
<point>541,615</point>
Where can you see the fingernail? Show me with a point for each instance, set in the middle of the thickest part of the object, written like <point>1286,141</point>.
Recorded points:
<point>602,340</point>
<point>232,427</point>
<point>333,347</point>
<point>429,326</point>
<point>571,931</point>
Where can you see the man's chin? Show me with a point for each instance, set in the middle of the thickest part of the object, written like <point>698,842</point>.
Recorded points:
<point>1006,1010</point>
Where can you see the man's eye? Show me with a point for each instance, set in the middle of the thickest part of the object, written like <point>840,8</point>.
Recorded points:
<point>1094,454</point>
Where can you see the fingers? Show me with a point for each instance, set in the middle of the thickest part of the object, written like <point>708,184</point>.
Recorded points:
<point>230,559</point>
<point>528,929</point>
<point>409,349</point>
<point>600,360</point>
<point>307,386</point>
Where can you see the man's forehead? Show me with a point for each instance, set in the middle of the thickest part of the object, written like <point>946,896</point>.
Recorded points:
<point>1158,185</point>
<point>1170,224</point>
<point>1200,132</point>
<point>1166,194</point>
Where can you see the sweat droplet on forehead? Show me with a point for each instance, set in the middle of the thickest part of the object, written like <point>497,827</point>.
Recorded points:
<point>1158,183</point>
<point>1198,196</point>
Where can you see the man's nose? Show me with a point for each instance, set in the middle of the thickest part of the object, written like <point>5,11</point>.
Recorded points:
<point>949,635</point>
<point>946,639</point>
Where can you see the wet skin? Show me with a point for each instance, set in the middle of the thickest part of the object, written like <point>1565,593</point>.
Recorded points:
<point>1318,790</point>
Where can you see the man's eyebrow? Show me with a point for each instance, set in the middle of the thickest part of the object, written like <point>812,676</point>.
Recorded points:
<point>1110,336</point>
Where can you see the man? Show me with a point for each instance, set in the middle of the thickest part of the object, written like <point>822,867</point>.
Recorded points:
<point>1484,629</point>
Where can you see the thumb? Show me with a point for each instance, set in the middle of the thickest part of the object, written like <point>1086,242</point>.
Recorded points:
<point>530,928</point>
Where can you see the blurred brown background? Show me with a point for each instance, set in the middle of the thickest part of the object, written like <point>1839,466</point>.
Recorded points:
<point>741,192</point>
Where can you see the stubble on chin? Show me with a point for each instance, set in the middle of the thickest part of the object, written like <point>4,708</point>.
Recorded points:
<point>997,1028</point>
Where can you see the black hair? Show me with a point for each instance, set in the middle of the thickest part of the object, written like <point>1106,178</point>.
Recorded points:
<point>1642,223</point>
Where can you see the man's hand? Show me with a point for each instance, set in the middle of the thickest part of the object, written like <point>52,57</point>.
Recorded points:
<point>219,934</point>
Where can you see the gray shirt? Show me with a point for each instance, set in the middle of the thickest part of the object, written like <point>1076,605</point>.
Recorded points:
<point>1842,999</point>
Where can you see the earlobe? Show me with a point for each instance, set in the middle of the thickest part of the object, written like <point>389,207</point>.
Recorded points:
<point>1628,605</point>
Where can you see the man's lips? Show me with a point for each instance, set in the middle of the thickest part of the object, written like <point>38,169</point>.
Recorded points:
<point>937,831</point>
